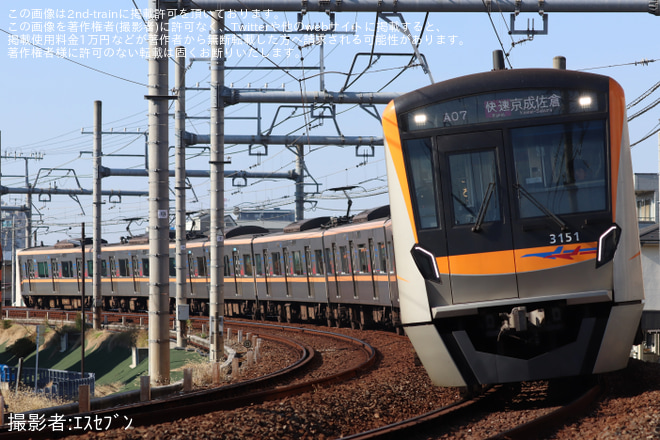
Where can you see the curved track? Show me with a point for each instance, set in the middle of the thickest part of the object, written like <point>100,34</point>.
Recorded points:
<point>289,381</point>
<point>440,422</point>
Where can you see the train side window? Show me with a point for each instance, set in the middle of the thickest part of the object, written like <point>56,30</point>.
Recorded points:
<point>90,267</point>
<point>123,267</point>
<point>201,266</point>
<point>247,265</point>
<point>266,264</point>
<point>67,269</point>
<point>308,260</point>
<point>135,272</point>
<point>471,175</point>
<point>419,155</point>
<point>392,265</point>
<point>382,258</point>
<point>54,268</point>
<point>42,269</point>
<point>277,265</point>
<point>227,265</point>
<point>363,258</point>
<point>104,268</point>
<point>258,265</point>
<point>318,262</point>
<point>172,267</point>
<point>113,267</point>
<point>287,262</point>
<point>297,263</point>
<point>343,255</point>
<point>330,261</point>
<point>145,267</point>
<point>237,263</point>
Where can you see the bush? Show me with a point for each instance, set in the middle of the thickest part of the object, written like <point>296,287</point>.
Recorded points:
<point>6,324</point>
<point>23,347</point>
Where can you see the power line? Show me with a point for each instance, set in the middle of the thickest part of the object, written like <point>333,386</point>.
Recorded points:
<point>72,61</point>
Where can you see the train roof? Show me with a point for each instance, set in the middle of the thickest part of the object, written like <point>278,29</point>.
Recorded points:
<point>486,82</point>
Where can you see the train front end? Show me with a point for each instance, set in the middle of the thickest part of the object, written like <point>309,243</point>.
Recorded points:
<point>514,223</point>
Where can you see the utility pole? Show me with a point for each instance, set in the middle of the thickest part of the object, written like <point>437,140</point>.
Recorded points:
<point>180,195</point>
<point>216,246</point>
<point>159,286</point>
<point>97,294</point>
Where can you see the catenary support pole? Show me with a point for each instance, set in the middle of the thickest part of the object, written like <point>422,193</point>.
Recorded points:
<point>216,245</point>
<point>159,287</point>
<point>180,194</point>
<point>97,301</point>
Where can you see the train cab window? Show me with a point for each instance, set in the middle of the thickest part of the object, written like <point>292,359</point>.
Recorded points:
<point>67,269</point>
<point>419,155</point>
<point>145,267</point>
<point>247,265</point>
<point>42,269</point>
<point>473,186</point>
<point>277,265</point>
<point>561,167</point>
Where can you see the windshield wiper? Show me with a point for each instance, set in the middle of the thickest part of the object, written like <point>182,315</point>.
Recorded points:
<point>543,209</point>
<point>484,206</point>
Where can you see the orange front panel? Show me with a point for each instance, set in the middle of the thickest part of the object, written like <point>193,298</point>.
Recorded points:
<point>617,108</point>
<point>391,132</point>
<point>488,263</point>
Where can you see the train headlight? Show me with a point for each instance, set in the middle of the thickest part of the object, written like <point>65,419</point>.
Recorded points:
<point>585,102</point>
<point>607,244</point>
<point>425,262</point>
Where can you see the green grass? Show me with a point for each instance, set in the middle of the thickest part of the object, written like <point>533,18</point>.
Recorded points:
<point>109,360</point>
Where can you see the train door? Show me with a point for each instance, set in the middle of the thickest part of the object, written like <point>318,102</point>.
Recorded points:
<point>134,273</point>
<point>477,217</point>
<point>287,271</point>
<point>267,269</point>
<point>112,273</point>
<point>308,271</point>
<point>29,274</point>
<point>80,273</point>
<point>55,275</point>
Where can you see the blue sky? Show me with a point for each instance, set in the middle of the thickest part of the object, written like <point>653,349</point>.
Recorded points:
<point>46,100</point>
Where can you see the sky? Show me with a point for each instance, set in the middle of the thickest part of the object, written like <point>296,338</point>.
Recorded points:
<point>98,53</point>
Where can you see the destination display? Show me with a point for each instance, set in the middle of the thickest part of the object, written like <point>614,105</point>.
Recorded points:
<point>506,105</point>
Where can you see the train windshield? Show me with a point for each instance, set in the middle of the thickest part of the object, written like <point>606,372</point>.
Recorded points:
<point>562,167</point>
<point>420,161</point>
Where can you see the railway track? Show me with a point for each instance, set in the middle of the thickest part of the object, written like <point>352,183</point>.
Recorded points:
<point>499,413</point>
<point>307,373</point>
<point>458,419</point>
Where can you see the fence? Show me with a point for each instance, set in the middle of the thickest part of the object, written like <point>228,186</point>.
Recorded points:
<point>54,383</point>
